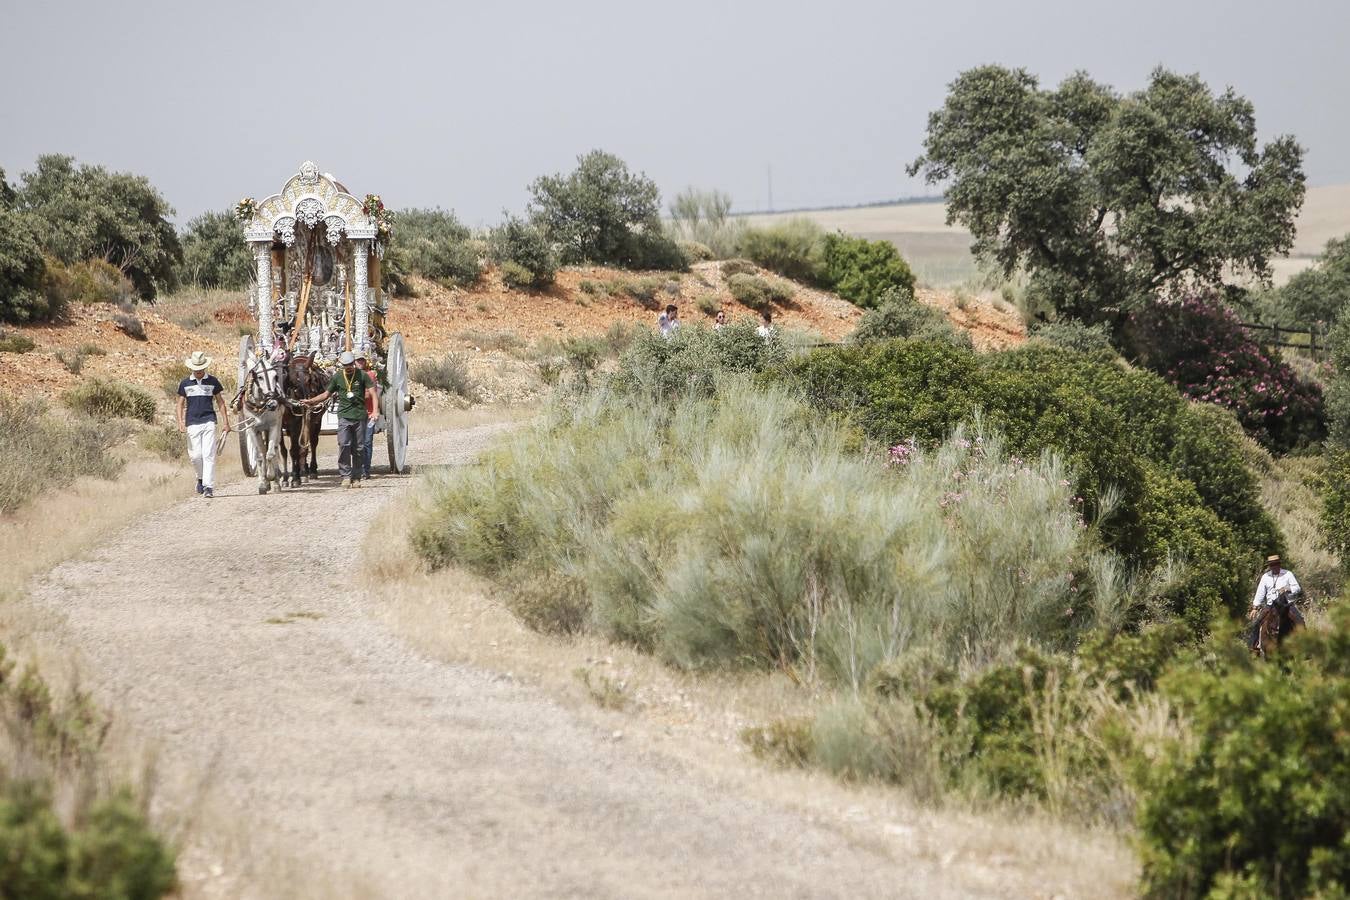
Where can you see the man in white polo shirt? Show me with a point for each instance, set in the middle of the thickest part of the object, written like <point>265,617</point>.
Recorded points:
<point>199,397</point>
<point>1276,582</point>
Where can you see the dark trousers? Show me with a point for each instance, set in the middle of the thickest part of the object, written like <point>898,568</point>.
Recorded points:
<point>351,437</point>
<point>369,447</point>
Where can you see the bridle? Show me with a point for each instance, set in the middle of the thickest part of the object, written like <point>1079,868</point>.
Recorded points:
<point>262,390</point>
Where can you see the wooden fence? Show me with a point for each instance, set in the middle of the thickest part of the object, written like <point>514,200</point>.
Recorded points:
<point>1309,340</point>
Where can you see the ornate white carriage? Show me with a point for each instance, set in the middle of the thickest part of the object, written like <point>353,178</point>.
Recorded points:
<point>316,251</point>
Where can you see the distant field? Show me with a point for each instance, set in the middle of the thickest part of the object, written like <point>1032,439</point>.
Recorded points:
<point>940,253</point>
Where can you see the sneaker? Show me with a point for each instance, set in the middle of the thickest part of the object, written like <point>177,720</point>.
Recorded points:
<point>199,486</point>
<point>356,482</point>
<point>346,482</point>
<point>208,493</point>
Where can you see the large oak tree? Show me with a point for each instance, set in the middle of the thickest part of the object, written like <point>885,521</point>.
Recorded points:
<point>1105,199</point>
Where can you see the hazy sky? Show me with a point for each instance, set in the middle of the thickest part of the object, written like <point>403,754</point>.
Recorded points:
<point>462,105</point>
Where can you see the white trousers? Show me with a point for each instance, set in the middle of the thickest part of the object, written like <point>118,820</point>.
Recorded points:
<point>202,451</point>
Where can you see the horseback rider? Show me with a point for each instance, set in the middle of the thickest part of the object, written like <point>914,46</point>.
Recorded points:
<point>1277,586</point>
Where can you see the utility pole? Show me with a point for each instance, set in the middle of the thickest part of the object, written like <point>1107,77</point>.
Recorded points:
<point>769,167</point>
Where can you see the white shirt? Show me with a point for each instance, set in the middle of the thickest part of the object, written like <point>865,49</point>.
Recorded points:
<point>667,325</point>
<point>1270,585</point>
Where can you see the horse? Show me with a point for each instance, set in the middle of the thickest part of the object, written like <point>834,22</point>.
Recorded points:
<point>1274,623</point>
<point>300,424</point>
<point>263,397</point>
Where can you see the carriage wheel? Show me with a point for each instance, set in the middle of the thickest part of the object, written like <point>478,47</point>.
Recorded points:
<point>396,403</point>
<point>248,450</point>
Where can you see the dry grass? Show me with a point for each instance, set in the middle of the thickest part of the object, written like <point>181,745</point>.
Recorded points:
<point>940,257</point>
<point>60,525</point>
<point>697,719</point>
<point>1295,507</point>
<point>220,855</point>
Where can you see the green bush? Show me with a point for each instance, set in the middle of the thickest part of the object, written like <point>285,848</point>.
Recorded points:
<point>694,251</point>
<point>522,244</point>
<point>22,267</point>
<point>1338,391</point>
<point>793,249</point>
<point>165,441</point>
<point>739,267</point>
<point>603,213</point>
<point>39,451</point>
<point>100,845</point>
<point>693,360</point>
<point>215,253</point>
<point>584,353</point>
<point>436,245</point>
<point>757,293</point>
<point>1110,425</point>
<point>711,559</point>
<point>450,373</point>
<point>112,855</point>
<point>516,276</point>
<point>89,281</point>
<point>643,289</point>
<point>900,316</point>
<point>1256,801</point>
<point>1074,335</point>
<point>16,343</point>
<point>105,399</point>
<point>1318,295</point>
<point>863,271</point>
<point>1334,486</point>
<point>86,212</point>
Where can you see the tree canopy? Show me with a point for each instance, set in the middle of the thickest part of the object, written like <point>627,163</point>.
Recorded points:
<point>214,252</point>
<point>604,213</point>
<point>1105,199</point>
<point>1319,294</point>
<point>84,212</point>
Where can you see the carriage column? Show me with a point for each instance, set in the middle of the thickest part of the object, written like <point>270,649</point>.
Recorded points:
<point>262,256</point>
<point>361,327</point>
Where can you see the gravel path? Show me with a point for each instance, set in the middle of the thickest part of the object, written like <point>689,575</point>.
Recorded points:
<point>231,635</point>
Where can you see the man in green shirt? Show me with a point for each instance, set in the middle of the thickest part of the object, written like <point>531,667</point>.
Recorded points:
<point>352,387</point>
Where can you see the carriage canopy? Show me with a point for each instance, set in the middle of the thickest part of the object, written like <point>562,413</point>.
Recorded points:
<point>316,251</point>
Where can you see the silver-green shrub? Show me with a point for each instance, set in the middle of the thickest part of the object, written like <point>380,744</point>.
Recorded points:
<point>743,530</point>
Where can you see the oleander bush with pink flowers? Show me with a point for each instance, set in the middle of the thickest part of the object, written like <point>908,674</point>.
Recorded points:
<point>1198,344</point>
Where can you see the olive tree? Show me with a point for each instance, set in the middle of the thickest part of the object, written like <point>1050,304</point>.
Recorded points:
<point>215,253</point>
<point>1105,199</point>
<point>85,212</point>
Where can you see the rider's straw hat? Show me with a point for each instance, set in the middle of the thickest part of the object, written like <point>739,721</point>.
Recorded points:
<point>1273,559</point>
<point>346,359</point>
<point>198,361</point>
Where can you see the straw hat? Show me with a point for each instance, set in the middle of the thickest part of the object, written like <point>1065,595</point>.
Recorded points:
<point>1273,559</point>
<point>198,361</point>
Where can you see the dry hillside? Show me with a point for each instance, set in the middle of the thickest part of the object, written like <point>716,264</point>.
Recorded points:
<point>494,324</point>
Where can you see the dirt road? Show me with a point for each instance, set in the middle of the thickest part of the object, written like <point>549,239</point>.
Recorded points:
<point>233,636</point>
